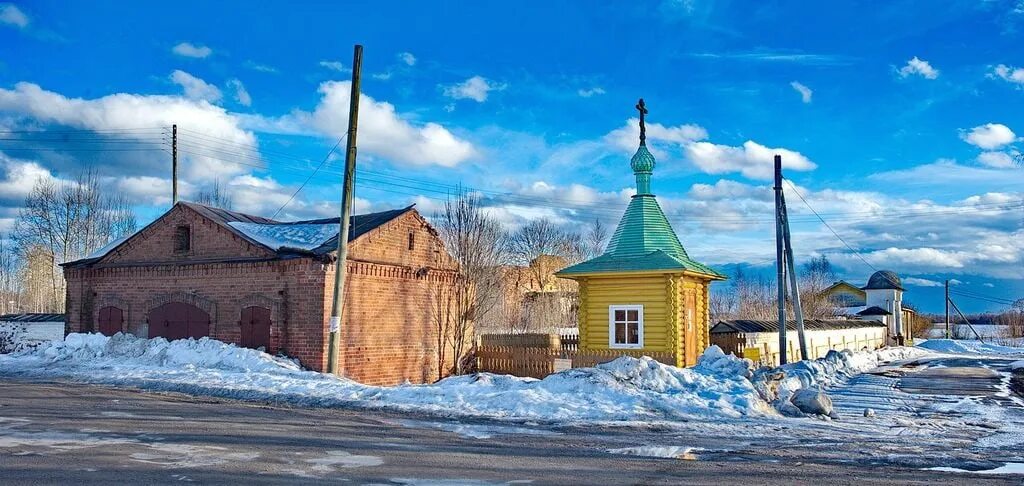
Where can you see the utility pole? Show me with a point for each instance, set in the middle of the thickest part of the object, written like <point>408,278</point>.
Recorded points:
<point>947,308</point>
<point>346,213</point>
<point>780,260</point>
<point>174,164</point>
<point>794,287</point>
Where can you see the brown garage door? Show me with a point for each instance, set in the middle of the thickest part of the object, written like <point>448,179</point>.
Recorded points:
<point>111,319</point>
<point>255,324</point>
<point>178,320</point>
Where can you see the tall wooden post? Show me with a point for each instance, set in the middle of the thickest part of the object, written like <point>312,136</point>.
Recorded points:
<point>780,260</point>
<point>174,164</point>
<point>333,357</point>
<point>947,308</point>
<point>794,287</point>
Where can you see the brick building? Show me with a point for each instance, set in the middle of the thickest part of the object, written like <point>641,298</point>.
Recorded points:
<point>201,271</point>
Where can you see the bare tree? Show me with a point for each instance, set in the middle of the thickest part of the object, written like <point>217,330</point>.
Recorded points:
<point>478,245</point>
<point>755,298</point>
<point>65,221</point>
<point>597,236</point>
<point>10,284</point>
<point>216,196</point>
<point>817,275</point>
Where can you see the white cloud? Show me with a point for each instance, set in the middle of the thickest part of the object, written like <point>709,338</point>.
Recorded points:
<point>989,136</point>
<point>407,58</point>
<point>753,160</point>
<point>921,282</point>
<point>263,68</point>
<point>919,67</point>
<point>335,66</point>
<point>10,14</point>
<point>805,92</point>
<point>384,76</point>
<point>188,49</point>
<point>659,136</point>
<point>1008,74</point>
<point>382,130</point>
<point>998,160</point>
<point>123,111</point>
<point>475,88</point>
<point>18,178</point>
<point>241,94</point>
<point>587,93</point>
<point>195,88</point>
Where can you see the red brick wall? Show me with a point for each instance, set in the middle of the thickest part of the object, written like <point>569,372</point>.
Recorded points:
<point>292,289</point>
<point>388,334</point>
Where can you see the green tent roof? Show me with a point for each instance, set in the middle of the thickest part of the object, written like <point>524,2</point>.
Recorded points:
<point>644,239</point>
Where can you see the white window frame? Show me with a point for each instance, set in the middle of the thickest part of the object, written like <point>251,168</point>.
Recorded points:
<point>640,326</point>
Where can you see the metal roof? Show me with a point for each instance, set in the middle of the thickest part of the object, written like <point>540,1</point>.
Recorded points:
<point>32,317</point>
<point>756,325</point>
<point>874,311</point>
<point>884,279</point>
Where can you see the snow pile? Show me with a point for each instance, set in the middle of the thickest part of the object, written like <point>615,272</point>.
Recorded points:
<point>19,336</point>
<point>951,346</point>
<point>1017,365</point>
<point>779,385</point>
<point>302,236</point>
<point>627,389</point>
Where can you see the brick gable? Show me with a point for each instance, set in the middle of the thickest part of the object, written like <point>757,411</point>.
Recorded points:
<point>208,241</point>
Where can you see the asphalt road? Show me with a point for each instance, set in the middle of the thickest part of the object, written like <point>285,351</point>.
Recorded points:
<point>56,432</point>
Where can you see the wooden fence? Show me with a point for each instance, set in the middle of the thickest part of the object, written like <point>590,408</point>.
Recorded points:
<point>537,355</point>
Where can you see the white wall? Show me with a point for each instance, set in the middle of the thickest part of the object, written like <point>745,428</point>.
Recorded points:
<point>892,301</point>
<point>818,342</point>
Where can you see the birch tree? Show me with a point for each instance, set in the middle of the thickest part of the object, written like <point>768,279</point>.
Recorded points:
<point>478,244</point>
<point>67,220</point>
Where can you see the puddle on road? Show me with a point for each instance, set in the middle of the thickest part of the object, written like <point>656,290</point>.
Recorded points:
<point>1007,468</point>
<point>666,452</point>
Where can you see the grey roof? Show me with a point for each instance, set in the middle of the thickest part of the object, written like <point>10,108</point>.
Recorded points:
<point>360,224</point>
<point>757,325</point>
<point>32,317</point>
<point>884,279</point>
<point>874,311</point>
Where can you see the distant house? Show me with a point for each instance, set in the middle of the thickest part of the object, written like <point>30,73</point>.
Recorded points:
<point>762,336</point>
<point>531,299</point>
<point>203,271</point>
<point>644,295</point>
<point>845,294</point>
<point>20,331</point>
<point>881,300</point>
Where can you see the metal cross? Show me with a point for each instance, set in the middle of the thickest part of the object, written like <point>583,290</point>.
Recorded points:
<point>642,108</point>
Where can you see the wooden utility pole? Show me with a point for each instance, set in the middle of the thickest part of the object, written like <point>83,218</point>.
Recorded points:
<point>333,357</point>
<point>174,164</point>
<point>947,308</point>
<point>794,287</point>
<point>780,260</point>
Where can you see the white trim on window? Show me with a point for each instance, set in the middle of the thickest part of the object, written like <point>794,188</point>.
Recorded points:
<point>639,323</point>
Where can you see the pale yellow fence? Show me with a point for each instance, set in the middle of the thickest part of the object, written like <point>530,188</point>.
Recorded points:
<point>536,355</point>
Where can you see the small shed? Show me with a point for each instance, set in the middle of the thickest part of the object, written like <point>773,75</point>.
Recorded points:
<point>644,295</point>
<point>20,331</point>
<point>759,339</point>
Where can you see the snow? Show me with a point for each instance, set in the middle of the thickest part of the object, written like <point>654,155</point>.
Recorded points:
<point>971,347</point>
<point>102,251</point>
<point>668,452</point>
<point>1007,468</point>
<point>302,236</point>
<point>627,389</point>
<point>1017,365</point>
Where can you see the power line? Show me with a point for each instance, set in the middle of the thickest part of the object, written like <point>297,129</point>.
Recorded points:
<point>322,162</point>
<point>840,238</point>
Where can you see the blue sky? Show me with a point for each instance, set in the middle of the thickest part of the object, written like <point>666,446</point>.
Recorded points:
<point>900,122</point>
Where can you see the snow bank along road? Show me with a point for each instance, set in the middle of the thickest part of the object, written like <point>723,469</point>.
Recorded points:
<point>717,412</point>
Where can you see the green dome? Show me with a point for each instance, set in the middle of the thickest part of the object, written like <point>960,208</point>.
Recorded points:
<point>643,161</point>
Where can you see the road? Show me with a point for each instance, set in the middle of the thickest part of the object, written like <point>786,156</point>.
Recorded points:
<point>60,432</point>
